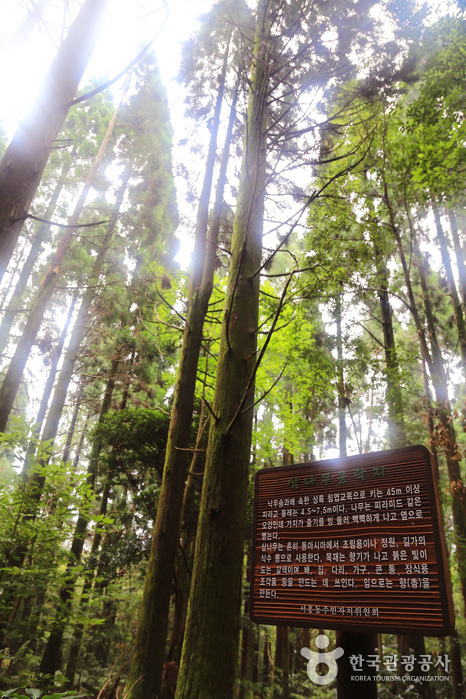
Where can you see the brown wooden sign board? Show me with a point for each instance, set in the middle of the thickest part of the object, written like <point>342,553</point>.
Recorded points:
<point>354,543</point>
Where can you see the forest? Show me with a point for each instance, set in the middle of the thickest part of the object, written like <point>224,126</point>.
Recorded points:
<point>261,265</point>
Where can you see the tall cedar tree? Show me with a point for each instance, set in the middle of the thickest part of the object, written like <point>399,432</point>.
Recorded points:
<point>209,657</point>
<point>153,617</point>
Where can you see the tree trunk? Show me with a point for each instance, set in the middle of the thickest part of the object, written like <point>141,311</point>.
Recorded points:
<point>210,648</point>
<point>457,305</point>
<point>6,288</point>
<point>51,658</point>
<point>48,389</point>
<point>74,420</point>
<point>282,661</point>
<point>342,432</point>
<point>34,17</point>
<point>396,423</point>
<point>350,641</point>
<point>180,606</point>
<point>305,642</point>
<point>266,660</point>
<point>149,649</point>
<point>355,643</point>
<point>247,659</point>
<point>24,160</point>
<point>459,255</point>
<point>456,666</point>
<point>73,654</point>
<point>15,370</point>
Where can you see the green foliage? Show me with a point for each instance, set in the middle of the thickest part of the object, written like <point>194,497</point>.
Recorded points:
<point>432,122</point>
<point>144,137</point>
<point>132,443</point>
<point>133,438</point>
<point>293,414</point>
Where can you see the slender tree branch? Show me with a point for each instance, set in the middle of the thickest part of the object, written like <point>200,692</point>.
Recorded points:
<point>216,418</point>
<point>193,450</point>
<point>261,353</point>
<point>126,70</point>
<point>172,308</point>
<point>60,225</point>
<point>371,334</point>
<point>267,392</point>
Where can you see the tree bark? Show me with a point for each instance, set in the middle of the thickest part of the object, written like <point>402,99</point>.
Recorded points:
<point>25,158</point>
<point>396,424</point>
<point>210,649</point>
<point>282,661</point>
<point>74,420</point>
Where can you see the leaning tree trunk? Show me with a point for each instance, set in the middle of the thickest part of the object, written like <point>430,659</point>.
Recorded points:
<point>210,648</point>
<point>33,19</point>
<point>15,371</point>
<point>27,265</point>
<point>79,328</point>
<point>24,160</point>
<point>149,648</point>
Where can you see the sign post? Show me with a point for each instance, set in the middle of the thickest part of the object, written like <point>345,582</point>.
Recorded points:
<point>352,544</point>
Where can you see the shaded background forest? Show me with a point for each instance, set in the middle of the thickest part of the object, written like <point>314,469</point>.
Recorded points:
<point>114,351</point>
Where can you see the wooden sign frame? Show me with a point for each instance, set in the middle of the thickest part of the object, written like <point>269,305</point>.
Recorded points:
<point>355,543</point>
